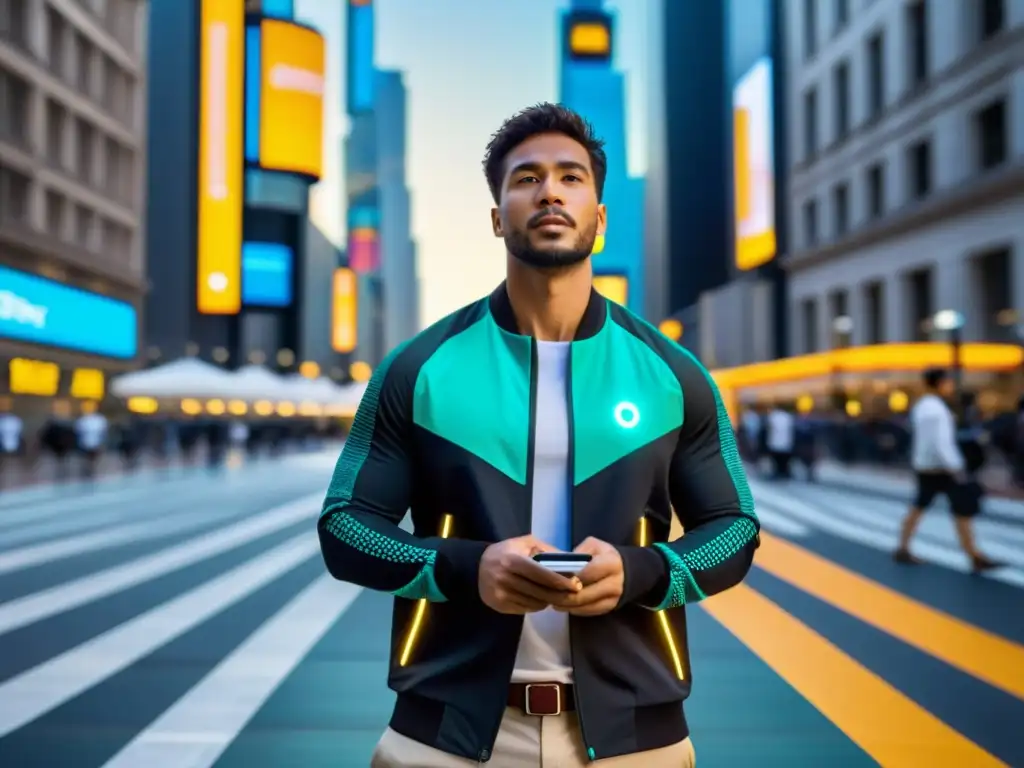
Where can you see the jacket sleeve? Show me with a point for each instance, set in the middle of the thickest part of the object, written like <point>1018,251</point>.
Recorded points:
<point>369,495</point>
<point>708,489</point>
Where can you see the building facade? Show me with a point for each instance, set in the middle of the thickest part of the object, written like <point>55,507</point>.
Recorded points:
<point>73,91</point>
<point>906,172</point>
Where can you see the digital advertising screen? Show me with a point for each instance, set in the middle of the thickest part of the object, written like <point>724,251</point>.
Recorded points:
<point>291,98</point>
<point>220,195</point>
<point>588,36</point>
<point>754,167</point>
<point>41,311</point>
<point>344,310</point>
<point>267,274</point>
<point>360,56</point>
<point>613,287</point>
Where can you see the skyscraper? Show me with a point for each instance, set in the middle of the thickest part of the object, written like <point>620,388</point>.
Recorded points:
<point>380,250</point>
<point>590,85</point>
<point>398,255</point>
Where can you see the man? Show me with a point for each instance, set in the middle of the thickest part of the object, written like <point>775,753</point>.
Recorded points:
<point>541,418</point>
<point>781,440</point>
<point>939,469</point>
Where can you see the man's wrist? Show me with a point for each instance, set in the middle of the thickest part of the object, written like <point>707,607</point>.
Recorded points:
<point>645,575</point>
<point>457,567</point>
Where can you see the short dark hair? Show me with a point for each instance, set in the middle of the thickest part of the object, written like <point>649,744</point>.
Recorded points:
<point>933,377</point>
<point>533,121</point>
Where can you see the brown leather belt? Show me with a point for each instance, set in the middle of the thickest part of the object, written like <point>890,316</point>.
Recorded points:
<point>541,699</point>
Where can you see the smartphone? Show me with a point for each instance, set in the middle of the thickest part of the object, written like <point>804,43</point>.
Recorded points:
<point>564,563</point>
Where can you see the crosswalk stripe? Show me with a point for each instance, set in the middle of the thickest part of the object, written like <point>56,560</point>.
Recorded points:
<point>38,554</point>
<point>780,524</point>
<point>885,723</point>
<point>196,730</point>
<point>978,653</point>
<point>64,597</point>
<point>865,531</point>
<point>37,691</point>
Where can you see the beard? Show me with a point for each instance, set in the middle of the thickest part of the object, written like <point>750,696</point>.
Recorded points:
<point>519,245</point>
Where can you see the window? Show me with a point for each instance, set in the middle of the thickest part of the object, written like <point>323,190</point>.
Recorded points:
<point>809,321</point>
<point>876,75</point>
<point>874,308</point>
<point>810,215</point>
<point>842,8</point>
<point>84,219</point>
<point>810,123</point>
<point>919,286</point>
<point>841,97</point>
<point>13,108</point>
<point>14,194</point>
<point>83,65</point>
<point>919,165</point>
<point>992,19</point>
<point>990,132</point>
<point>85,150</point>
<point>917,42</point>
<point>810,28</point>
<point>56,205</point>
<point>56,120</point>
<point>841,208</point>
<point>56,30</point>
<point>13,17</point>
<point>876,191</point>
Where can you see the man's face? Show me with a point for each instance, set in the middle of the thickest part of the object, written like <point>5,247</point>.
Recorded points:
<point>549,215</point>
<point>947,387</point>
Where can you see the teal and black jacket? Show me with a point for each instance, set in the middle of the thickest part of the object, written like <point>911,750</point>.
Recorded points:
<point>445,429</point>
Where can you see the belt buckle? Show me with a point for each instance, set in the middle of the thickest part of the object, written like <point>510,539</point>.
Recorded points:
<point>540,686</point>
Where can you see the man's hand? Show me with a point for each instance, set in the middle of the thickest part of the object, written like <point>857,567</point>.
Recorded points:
<point>512,582</point>
<point>602,579</point>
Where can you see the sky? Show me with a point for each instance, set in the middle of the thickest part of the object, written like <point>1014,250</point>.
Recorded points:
<point>468,65</point>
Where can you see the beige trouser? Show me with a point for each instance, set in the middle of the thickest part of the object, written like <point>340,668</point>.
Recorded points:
<point>527,742</point>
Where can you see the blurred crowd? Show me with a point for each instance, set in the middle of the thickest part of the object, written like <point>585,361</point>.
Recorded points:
<point>992,443</point>
<point>64,447</point>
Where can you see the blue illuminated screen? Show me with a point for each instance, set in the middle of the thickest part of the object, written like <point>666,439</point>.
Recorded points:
<point>267,274</point>
<point>42,311</point>
<point>252,93</point>
<point>281,9</point>
<point>360,62</point>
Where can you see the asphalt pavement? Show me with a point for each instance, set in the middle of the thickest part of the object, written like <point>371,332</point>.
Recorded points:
<point>184,620</point>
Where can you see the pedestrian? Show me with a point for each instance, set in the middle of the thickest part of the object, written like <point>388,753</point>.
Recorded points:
<point>542,419</point>
<point>940,470</point>
<point>781,438</point>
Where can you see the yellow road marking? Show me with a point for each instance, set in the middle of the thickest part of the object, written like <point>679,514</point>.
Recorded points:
<point>977,652</point>
<point>885,723</point>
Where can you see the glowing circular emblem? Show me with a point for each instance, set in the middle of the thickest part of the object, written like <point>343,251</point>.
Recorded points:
<point>627,415</point>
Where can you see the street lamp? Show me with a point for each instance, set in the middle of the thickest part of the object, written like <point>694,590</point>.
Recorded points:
<point>952,322</point>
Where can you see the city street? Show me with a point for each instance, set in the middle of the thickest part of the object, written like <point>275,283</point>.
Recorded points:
<point>184,620</point>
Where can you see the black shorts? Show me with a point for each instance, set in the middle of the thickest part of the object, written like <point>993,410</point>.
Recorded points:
<point>963,502</point>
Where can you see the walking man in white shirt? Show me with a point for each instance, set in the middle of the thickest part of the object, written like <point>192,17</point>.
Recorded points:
<point>939,469</point>
<point>781,440</point>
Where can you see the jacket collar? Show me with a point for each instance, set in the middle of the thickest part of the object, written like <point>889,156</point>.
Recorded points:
<point>592,321</point>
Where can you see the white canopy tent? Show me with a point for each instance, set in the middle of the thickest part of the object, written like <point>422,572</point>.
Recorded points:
<point>254,382</point>
<point>184,378</point>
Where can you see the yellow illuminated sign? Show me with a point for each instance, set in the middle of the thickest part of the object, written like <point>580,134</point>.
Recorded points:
<point>34,377</point>
<point>590,39</point>
<point>87,384</point>
<point>219,239</point>
<point>613,287</point>
<point>344,311</point>
<point>292,98</point>
<point>753,168</point>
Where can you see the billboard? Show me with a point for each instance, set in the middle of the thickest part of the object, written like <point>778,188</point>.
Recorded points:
<point>220,198</point>
<point>613,287</point>
<point>344,311</point>
<point>754,167</point>
<point>360,56</point>
<point>41,311</point>
<point>267,274</point>
<point>588,36</point>
<point>292,62</point>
